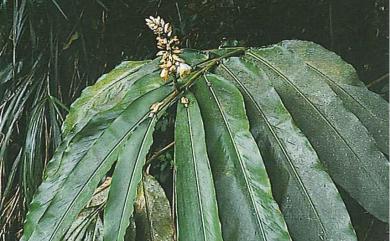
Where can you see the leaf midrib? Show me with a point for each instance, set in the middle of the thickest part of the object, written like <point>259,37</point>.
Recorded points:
<point>196,172</point>
<point>258,219</point>
<point>281,146</point>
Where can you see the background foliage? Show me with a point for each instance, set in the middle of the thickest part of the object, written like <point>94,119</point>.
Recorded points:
<point>50,50</point>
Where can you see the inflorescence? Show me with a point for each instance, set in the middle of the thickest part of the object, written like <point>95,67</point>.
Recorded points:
<point>170,62</point>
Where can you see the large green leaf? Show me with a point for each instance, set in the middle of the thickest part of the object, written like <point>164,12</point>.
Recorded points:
<point>303,189</point>
<point>90,154</point>
<point>196,204</point>
<point>153,212</point>
<point>61,165</point>
<point>350,154</point>
<point>127,175</point>
<point>369,107</point>
<point>246,206</point>
<point>109,89</point>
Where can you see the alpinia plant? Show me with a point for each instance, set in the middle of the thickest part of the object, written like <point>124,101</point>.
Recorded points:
<point>262,135</point>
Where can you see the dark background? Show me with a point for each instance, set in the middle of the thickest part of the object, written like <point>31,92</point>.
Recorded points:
<point>58,47</point>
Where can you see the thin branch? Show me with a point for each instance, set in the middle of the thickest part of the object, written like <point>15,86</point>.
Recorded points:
<point>159,153</point>
<point>377,81</point>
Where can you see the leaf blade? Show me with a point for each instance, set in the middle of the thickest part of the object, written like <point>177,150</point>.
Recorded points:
<point>196,204</point>
<point>303,189</point>
<point>369,107</point>
<point>123,188</point>
<point>140,86</point>
<point>247,209</point>
<point>313,104</point>
<point>102,148</point>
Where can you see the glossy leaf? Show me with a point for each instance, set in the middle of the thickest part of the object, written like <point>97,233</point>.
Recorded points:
<point>343,144</point>
<point>310,202</point>
<point>152,212</point>
<point>74,141</point>
<point>246,207</point>
<point>196,204</point>
<point>369,107</point>
<point>109,89</point>
<point>90,154</point>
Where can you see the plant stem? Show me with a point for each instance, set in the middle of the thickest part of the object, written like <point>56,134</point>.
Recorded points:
<point>191,79</point>
<point>210,64</point>
<point>159,153</point>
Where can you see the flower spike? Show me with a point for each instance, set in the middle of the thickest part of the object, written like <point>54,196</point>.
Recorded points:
<point>169,49</point>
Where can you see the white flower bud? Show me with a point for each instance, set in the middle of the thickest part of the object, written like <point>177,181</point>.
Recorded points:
<point>183,70</point>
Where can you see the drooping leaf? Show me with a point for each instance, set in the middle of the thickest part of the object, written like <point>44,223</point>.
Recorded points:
<point>301,186</point>
<point>109,89</point>
<point>343,144</point>
<point>369,107</point>
<point>94,150</point>
<point>246,207</point>
<point>79,143</point>
<point>153,212</point>
<point>127,175</point>
<point>196,204</point>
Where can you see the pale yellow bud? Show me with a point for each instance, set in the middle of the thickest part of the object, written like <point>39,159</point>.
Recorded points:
<point>177,58</point>
<point>183,70</point>
<point>164,74</point>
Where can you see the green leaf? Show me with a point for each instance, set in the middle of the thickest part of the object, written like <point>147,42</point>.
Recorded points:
<point>89,155</point>
<point>196,204</point>
<point>301,186</point>
<point>152,212</point>
<point>343,144</point>
<point>80,141</point>
<point>127,175</point>
<point>109,89</point>
<point>369,107</point>
<point>246,206</point>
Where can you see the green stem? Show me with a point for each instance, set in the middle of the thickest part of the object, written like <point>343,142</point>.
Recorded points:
<point>210,64</point>
<point>191,79</point>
